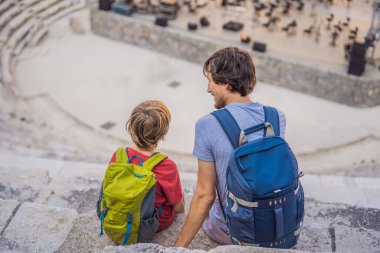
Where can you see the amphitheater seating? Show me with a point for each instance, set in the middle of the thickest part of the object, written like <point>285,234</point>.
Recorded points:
<point>6,58</point>
<point>29,3</point>
<point>24,23</point>
<point>37,32</point>
<point>50,20</point>
<point>9,14</point>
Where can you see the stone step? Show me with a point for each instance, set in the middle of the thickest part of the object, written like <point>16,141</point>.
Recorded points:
<point>337,208</point>
<point>58,176</point>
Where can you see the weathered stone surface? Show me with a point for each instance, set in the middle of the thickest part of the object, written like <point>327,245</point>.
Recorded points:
<point>84,235</point>
<point>7,209</point>
<point>149,248</point>
<point>10,246</point>
<point>330,227</point>
<point>40,228</point>
<point>153,248</point>
<point>364,239</point>
<point>249,249</point>
<point>21,194</point>
<point>300,76</point>
<point>169,236</point>
<point>83,201</point>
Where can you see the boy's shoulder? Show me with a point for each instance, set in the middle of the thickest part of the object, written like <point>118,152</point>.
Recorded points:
<point>166,168</point>
<point>168,163</point>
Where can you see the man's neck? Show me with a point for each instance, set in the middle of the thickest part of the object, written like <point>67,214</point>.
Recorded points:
<point>237,98</point>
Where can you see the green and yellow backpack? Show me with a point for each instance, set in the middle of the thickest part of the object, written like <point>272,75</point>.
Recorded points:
<point>126,206</point>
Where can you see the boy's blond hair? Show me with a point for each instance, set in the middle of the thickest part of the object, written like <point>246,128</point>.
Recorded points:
<point>148,124</point>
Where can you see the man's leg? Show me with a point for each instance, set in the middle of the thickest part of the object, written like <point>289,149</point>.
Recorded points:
<point>215,232</point>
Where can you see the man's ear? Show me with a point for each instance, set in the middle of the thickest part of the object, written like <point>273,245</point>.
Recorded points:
<point>225,86</point>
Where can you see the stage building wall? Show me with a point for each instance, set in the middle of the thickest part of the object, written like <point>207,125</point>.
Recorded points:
<point>294,74</point>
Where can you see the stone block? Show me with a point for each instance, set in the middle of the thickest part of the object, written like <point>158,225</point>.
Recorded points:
<point>40,228</point>
<point>7,209</point>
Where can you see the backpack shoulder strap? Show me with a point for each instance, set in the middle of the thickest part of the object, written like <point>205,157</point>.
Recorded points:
<point>121,155</point>
<point>272,117</point>
<point>154,160</point>
<point>229,125</point>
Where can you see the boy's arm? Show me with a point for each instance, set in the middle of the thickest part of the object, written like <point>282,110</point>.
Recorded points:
<point>180,206</point>
<point>201,203</point>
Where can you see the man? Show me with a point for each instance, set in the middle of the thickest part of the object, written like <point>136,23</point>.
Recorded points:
<point>231,78</point>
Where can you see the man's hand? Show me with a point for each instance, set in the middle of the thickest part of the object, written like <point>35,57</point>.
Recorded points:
<point>201,203</point>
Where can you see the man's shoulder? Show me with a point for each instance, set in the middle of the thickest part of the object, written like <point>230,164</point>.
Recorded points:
<point>206,121</point>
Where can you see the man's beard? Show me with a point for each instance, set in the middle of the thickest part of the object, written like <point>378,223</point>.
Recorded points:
<point>220,103</point>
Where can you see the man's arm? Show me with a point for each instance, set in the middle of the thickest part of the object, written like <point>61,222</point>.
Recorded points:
<point>201,203</point>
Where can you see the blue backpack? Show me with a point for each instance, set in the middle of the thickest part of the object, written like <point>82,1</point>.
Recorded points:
<point>264,197</point>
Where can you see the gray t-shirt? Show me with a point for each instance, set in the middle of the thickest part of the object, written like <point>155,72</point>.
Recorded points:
<point>212,145</point>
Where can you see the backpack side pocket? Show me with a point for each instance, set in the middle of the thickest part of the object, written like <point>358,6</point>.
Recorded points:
<point>148,228</point>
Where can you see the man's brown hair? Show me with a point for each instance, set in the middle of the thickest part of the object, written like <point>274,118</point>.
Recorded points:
<point>148,124</point>
<point>234,67</point>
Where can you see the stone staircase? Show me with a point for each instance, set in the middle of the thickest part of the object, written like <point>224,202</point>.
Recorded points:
<point>49,206</point>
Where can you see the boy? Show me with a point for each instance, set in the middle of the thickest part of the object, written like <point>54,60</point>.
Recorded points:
<point>149,124</point>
